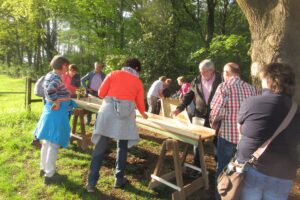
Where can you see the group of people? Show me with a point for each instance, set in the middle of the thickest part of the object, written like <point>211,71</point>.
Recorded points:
<point>242,117</point>
<point>244,120</point>
<point>122,91</point>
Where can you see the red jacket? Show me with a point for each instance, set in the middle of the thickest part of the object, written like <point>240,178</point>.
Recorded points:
<point>66,78</point>
<point>123,86</point>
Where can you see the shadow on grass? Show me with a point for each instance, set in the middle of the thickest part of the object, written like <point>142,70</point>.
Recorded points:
<point>152,138</point>
<point>81,191</point>
<point>134,190</point>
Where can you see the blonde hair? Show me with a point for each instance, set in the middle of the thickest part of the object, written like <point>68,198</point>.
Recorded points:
<point>181,79</point>
<point>162,78</point>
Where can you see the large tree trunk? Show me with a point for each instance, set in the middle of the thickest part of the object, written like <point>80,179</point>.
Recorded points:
<point>275,33</point>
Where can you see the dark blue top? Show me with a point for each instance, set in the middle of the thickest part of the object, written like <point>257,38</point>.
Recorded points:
<point>260,116</point>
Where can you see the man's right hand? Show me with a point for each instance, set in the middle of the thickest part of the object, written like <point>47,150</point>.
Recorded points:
<point>175,112</point>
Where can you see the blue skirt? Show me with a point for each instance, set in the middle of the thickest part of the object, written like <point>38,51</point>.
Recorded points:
<point>54,125</point>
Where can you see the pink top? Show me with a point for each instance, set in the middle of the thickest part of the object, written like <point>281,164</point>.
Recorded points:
<point>66,78</point>
<point>124,86</point>
<point>185,88</point>
<point>206,87</point>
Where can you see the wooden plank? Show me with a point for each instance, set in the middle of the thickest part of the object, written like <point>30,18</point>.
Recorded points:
<point>203,165</point>
<point>168,134</point>
<point>76,137</point>
<point>162,123</point>
<point>194,186</point>
<point>87,106</point>
<point>169,105</point>
<point>36,100</point>
<point>173,128</point>
<point>12,93</point>
<point>168,176</point>
<point>160,159</point>
<point>178,169</point>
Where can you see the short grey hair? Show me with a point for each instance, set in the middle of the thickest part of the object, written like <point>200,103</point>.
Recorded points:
<point>207,64</point>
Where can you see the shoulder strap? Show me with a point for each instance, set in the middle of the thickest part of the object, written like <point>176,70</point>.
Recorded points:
<point>282,126</point>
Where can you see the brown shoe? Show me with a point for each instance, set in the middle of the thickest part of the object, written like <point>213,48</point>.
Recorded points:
<point>36,143</point>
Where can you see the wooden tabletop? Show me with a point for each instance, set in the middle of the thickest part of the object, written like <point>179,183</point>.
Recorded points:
<point>169,127</point>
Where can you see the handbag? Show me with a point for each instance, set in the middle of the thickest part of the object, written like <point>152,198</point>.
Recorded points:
<point>231,179</point>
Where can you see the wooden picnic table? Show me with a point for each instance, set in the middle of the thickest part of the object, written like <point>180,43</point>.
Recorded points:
<point>176,131</point>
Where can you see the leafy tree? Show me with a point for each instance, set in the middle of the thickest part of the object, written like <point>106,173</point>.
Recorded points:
<point>224,49</point>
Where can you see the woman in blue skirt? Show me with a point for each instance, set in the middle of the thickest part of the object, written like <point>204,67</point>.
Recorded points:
<point>53,126</point>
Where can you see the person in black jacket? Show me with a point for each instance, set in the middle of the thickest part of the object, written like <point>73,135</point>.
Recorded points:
<point>202,90</point>
<point>270,176</point>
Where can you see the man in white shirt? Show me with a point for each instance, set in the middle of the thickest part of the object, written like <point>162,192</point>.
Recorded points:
<point>154,93</point>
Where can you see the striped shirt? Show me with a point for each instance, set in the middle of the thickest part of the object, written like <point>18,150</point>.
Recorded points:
<point>54,87</point>
<point>226,104</point>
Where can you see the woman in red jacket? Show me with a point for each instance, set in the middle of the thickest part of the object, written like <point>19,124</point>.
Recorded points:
<point>122,91</point>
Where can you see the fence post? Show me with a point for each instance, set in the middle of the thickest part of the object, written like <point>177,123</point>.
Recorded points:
<point>25,96</point>
<point>28,94</point>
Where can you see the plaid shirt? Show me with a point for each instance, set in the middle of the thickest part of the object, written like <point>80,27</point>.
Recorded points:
<point>226,104</point>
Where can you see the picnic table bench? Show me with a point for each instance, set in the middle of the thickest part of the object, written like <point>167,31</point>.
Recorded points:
<point>176,131</point>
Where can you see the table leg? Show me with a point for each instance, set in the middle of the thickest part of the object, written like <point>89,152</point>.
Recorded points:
<point>178,171</point>
<point>203,165</point>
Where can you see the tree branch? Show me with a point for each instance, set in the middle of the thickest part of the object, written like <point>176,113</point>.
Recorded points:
<point>196,21</point>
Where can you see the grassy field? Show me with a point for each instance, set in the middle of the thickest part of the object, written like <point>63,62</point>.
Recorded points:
<point>19,161</point>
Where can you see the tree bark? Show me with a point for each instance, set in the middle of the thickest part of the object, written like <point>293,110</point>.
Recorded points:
<point>224,13</point>
<point>275,33</point>
<point>211,4</point>
<point>122,25</point>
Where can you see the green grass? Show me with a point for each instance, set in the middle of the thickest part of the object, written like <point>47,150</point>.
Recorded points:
<point>19,161</point>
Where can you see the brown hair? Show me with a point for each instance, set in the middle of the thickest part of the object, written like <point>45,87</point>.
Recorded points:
<point>168,81</point>
<point>133,63</point>
<point>73,67</point>
<point>280,76</point>
<point>58,61</point>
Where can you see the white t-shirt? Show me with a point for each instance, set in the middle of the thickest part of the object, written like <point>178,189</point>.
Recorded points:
<point>156,88</point>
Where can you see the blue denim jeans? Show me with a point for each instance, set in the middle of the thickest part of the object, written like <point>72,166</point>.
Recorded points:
<point>225,152</point>
<point>98,156</point>
<point>260,186</point>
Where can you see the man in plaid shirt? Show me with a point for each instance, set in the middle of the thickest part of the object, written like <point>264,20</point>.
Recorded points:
<point>224,108</point>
